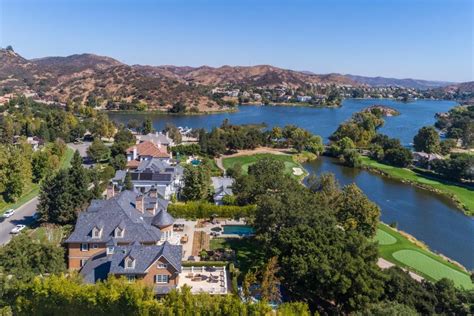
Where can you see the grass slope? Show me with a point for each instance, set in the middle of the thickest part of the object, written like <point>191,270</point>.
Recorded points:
<point>246,161</point>
<point>399,250</point>
<point>462,195</point>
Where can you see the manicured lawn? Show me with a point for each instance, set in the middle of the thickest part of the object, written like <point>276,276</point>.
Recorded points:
<point>51,234</point>
<point>246,161</point>
<point>407,254</point>
<point>248,252</point>
<point>385,238</point>
<point>66,160</point>
<point>463,194</point>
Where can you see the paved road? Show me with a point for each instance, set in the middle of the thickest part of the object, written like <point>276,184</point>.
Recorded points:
<point>23,215</point>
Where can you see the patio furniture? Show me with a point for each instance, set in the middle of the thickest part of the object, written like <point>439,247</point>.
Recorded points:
<point>197,278</point>
<point>190,275</point>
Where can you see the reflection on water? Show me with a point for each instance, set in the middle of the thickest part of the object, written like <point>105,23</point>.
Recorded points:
<point>431,218</point>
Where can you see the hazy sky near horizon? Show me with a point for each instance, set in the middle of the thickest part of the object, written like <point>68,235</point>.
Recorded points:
<point>424,39</point>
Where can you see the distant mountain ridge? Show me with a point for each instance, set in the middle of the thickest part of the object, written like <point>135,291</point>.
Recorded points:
<point>81,77</point>
<point>405,83</point>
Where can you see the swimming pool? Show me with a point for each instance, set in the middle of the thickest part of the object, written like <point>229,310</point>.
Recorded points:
<point>241,230</point>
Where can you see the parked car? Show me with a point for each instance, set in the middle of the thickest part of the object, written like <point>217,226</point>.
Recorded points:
<point>9,213</point>
<point>17,229</point>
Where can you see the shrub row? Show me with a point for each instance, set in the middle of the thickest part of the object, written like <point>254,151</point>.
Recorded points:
<point>206,210</point>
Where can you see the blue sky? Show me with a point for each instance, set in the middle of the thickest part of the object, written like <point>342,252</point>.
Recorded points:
<point>425,39</point>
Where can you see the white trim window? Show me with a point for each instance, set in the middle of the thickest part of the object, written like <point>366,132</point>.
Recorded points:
<point>84,247</point>
<point>118,233</point>
<point>96,232</point>
<point>131,278</point>
<point>83,262</point>
<point>129,263</point>
<point>110,250</point>
<point>161,265</point>
<point>95,246</point>
<point>161,278</point>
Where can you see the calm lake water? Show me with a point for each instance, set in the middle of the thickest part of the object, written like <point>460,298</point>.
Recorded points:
<point>427,216</point>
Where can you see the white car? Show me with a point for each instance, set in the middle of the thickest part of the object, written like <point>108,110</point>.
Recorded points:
<point>17,229</point>
<point>9,213</point>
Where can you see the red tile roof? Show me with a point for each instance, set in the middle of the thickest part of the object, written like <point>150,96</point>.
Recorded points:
<point>149,149</point>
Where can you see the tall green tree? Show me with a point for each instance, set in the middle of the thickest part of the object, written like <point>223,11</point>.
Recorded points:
<point>98,151</point>
<point>147,126</point>
<point>357,212</point>
<point>197,183</point>
<point>427,140</point>
<point>78,182</point>
<point>56,204</point>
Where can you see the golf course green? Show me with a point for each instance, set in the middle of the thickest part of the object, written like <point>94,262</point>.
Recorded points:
<point>248,160</point>
<point>399,250</point>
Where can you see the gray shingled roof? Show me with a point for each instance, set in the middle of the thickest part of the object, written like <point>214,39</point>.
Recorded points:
<point>144,256</point>
<point>153,165</point>
<point>222,185</point>
<point>110,214</point>
<point>162,219</point>
<point>119,176</point>
<point>101,265</point>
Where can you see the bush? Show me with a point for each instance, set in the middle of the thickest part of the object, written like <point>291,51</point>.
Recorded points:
<point>200,209</point>
<point>188,150</point>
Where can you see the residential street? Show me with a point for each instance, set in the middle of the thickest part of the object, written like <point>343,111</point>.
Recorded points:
<point>23,215</point>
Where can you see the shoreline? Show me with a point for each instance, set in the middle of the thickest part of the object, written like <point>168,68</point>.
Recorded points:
<point>165,113</point>
<point>236,108</point>
<point>424,186</point>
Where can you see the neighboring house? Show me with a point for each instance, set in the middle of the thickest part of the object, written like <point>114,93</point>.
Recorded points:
<point>157,138</point>
<point>124,219</point>
<point>423,159</point>
<point>146,151</point>
<point>35,142</point>
<point>158,266</point>
<point>222,187</point>
<point>153,174</point>
<point>303,98</point>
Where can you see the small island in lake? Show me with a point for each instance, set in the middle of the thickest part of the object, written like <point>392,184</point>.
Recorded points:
<point>383,110</point>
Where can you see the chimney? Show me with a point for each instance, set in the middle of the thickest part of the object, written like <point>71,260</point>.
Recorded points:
<point>110,191</point>
<point>134,153</point>
<point>153,193</point>
<point>139,203</point>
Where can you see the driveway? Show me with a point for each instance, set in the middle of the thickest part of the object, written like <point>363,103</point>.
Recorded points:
<point>82,147</point>
<point>23,215</point>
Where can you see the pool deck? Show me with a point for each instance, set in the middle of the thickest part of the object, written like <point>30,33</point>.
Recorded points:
<point>190,227</point>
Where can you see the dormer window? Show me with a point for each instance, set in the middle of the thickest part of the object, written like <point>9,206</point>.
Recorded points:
<point>118,233</point>
<point>162,265</point>
<point>129,263</point>
<point>96,232</point>
<point>110,250</point>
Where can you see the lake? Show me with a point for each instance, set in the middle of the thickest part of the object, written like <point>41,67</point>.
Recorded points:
<point>320,121</point>
<point>427,216</point>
